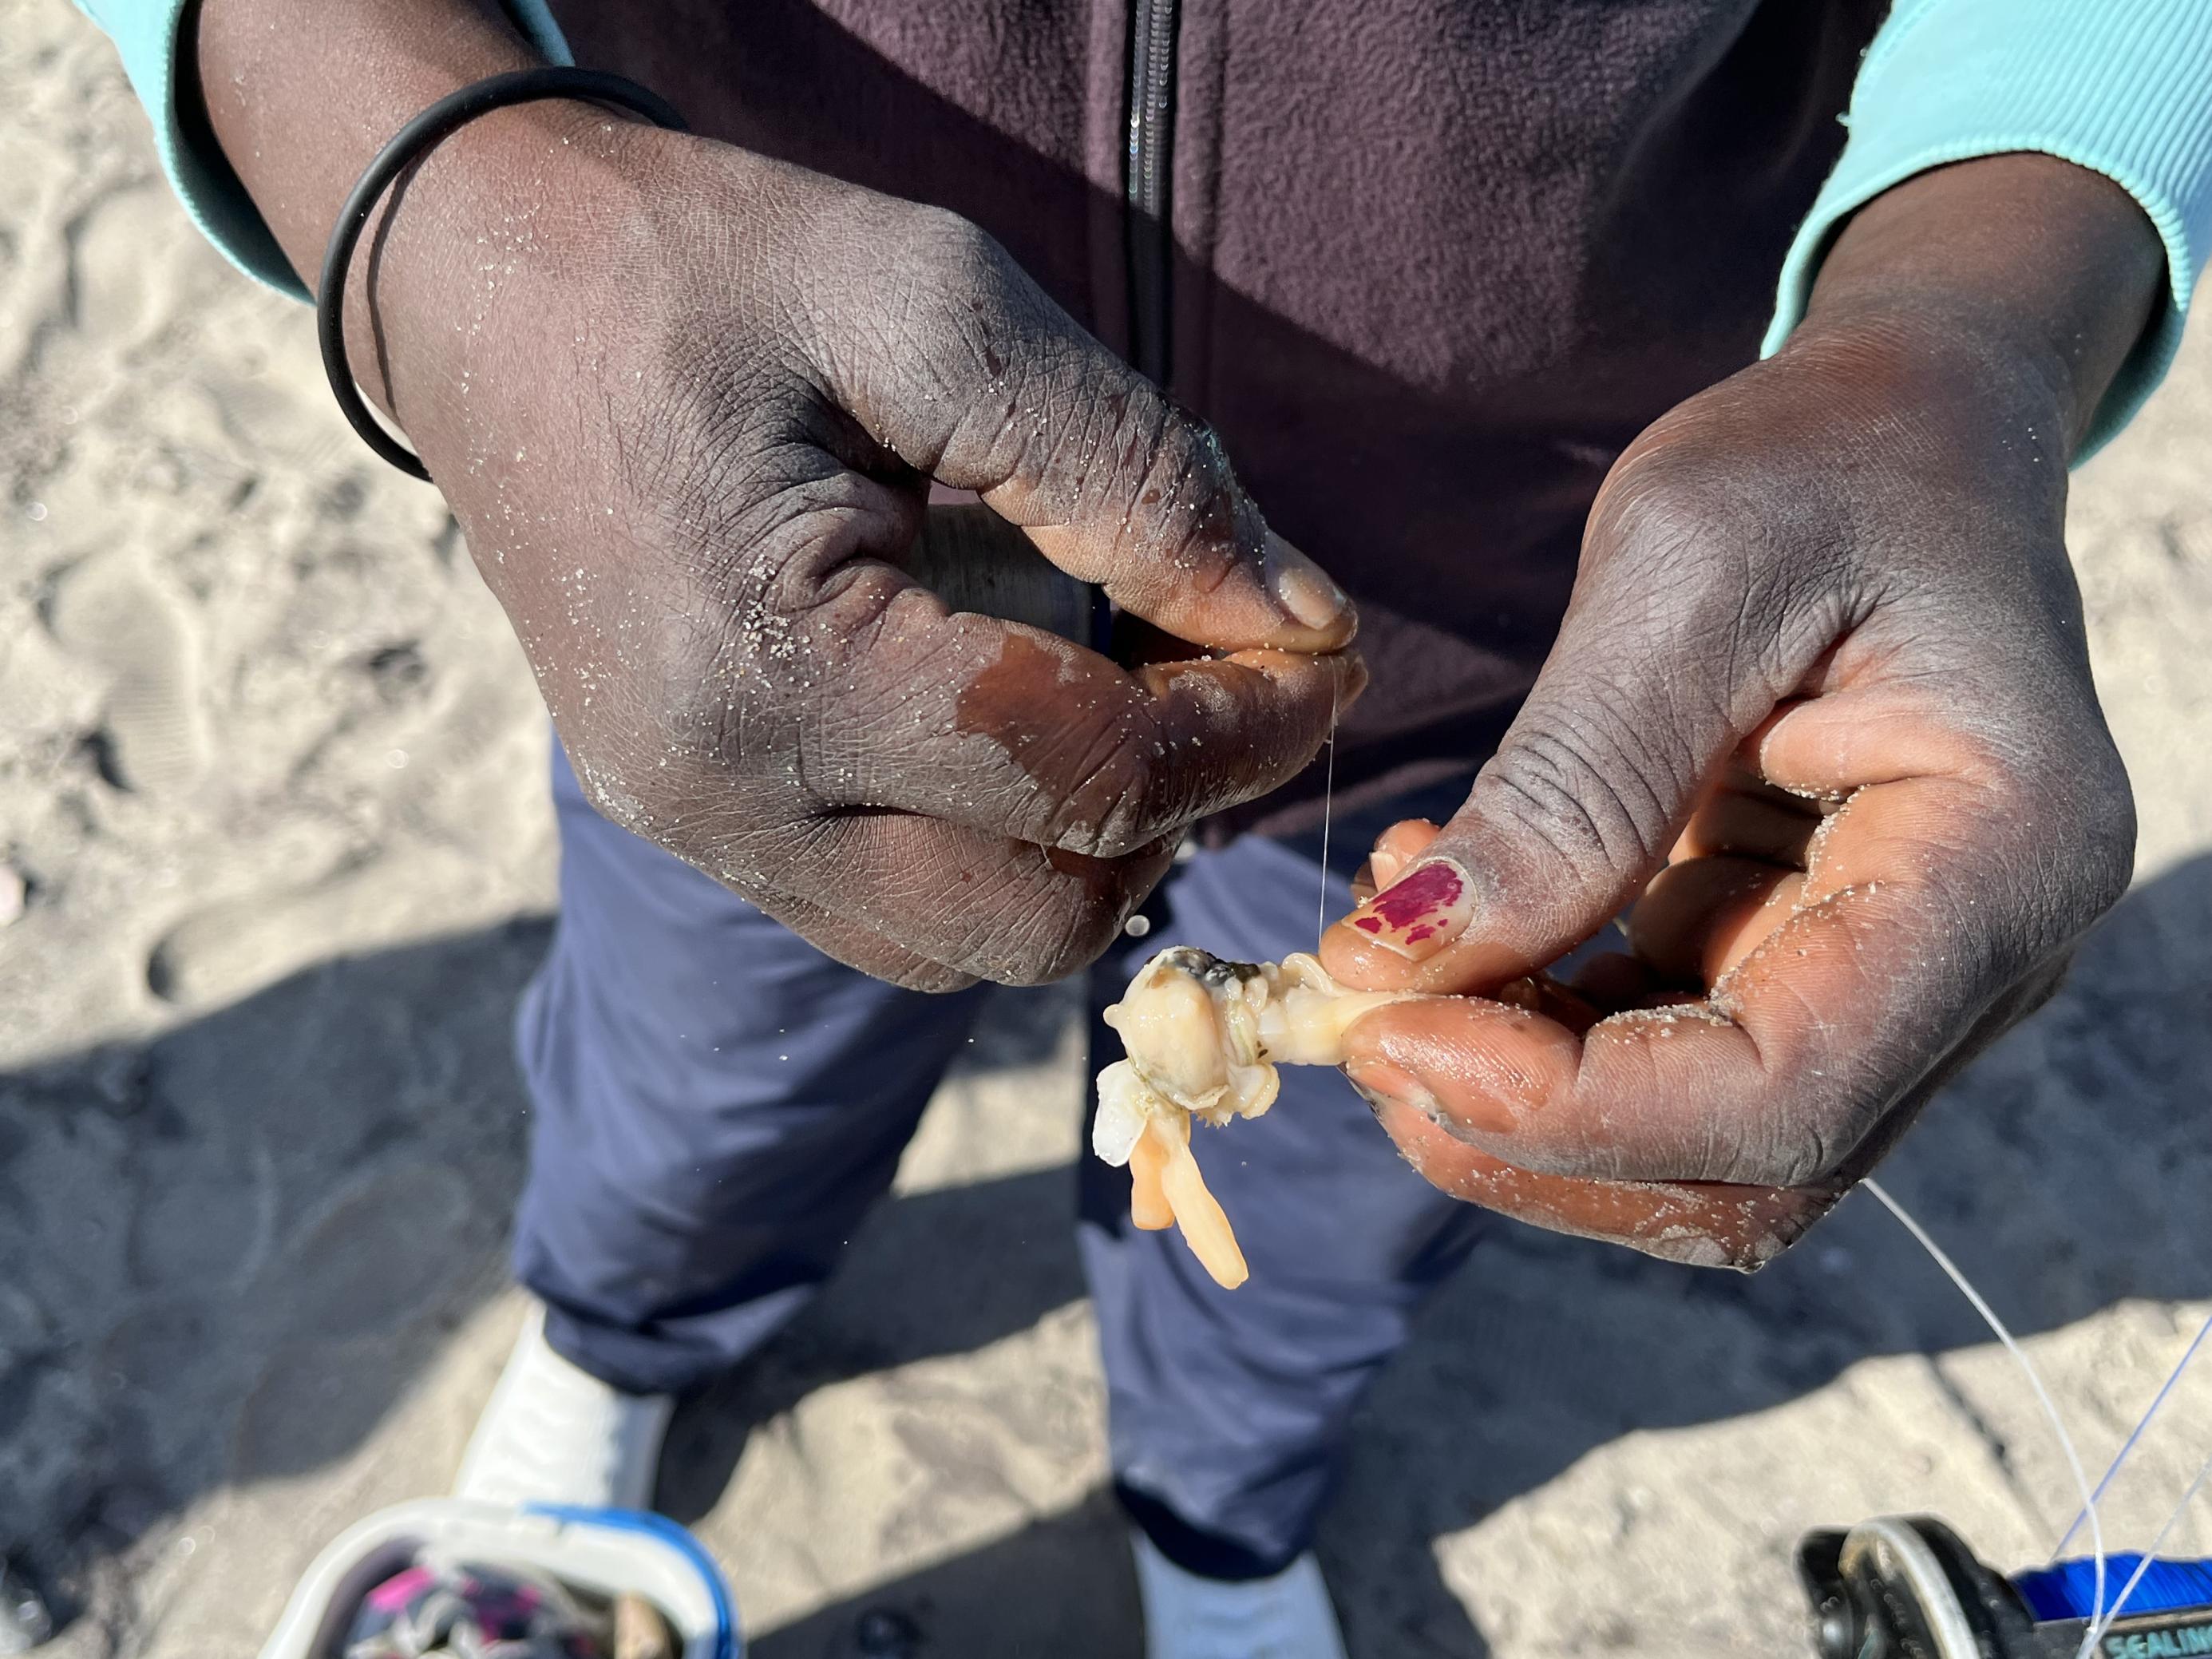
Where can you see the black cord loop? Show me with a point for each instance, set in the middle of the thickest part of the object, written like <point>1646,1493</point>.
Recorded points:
<point>408,146</point>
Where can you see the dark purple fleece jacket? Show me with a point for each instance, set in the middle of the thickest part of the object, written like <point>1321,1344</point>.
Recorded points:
<point>1431,265</point>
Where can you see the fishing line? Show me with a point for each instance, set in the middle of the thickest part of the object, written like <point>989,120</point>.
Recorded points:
<point>2100,1619</point>
<point>1328,809</point>
<point>2121,1457</point>
<point>2034,1380</point>
<point>2150,1556</point>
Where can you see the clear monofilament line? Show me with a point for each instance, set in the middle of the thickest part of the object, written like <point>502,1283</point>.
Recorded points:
<point>1328,809</point>
<point>2034,1380</point>
<point>2098,1628</point>
<point>2128,1446</point>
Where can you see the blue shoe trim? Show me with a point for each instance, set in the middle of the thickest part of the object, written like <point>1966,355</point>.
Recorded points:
<point>726,1643</point>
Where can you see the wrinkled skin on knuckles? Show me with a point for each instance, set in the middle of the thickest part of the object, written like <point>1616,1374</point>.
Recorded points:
<point>1820,722</point>
<point>690,435</point>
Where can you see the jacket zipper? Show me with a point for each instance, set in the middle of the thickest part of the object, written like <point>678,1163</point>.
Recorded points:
<point>1145,180</point>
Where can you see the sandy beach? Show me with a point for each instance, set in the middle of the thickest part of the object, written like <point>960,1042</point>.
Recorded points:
<point>275,859</point>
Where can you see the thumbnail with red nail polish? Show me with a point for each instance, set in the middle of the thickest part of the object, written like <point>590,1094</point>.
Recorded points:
<point>1418,915</point>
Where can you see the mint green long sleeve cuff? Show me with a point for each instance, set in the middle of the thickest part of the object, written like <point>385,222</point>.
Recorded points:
<point>2121,86</point>
<point>145,32</point>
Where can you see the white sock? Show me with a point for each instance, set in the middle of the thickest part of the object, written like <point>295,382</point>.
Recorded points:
<point>552,1433</point>
<point>1186,1616</point>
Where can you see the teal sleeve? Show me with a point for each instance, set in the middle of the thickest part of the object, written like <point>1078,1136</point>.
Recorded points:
<point>145,33</point>
<point>2123,87</point>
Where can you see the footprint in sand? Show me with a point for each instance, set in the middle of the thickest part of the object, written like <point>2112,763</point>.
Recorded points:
<point>110,611</point>
<point>121,248</point>
<point>237,946</point>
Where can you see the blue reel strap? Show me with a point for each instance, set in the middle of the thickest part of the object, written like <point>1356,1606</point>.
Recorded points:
<point>2068,1590</point>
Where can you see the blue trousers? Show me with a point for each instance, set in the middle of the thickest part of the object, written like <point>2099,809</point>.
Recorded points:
<point>717,1104</point>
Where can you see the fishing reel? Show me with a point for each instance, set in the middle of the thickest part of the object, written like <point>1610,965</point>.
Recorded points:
<point>1906,1587</point>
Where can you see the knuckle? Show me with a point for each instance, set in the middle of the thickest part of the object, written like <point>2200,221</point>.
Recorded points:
<point>952,247</point>
<point>1047,942</point>
<point>1802,1149</point>
<point>1744,571</point>
<point>1667,508</point>
<point>647,800</point>
<point>2029,995</point>
<point>1593,799</point>
<point>2107,839</point>
<point>993,355</point>
<point>1195,516</point>
<point>1047,965</point>
<point>661,805</point>
<point>1081,913</point>
<point>919,261</point>
<point>2052,888</point>
<point>1111,818</point>
<point>610,794</point>
<point>933,978</point>
<point>1118,803</point>
<point>1800,1143</point>
<point>1809,1133</point>
<point>965,306</point>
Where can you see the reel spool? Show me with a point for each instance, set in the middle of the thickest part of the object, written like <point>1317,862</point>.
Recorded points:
<point>1906,1587</point>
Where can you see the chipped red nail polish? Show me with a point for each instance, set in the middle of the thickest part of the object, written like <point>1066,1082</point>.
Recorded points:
<point>1417,916</point>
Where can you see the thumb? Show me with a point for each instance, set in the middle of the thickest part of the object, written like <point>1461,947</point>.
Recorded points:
<point>1662,668</point>
<point>991,387</point>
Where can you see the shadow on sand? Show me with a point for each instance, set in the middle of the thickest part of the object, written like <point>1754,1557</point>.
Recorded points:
<point>194,1228</point>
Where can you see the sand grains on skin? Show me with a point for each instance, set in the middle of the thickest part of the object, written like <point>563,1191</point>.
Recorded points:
<point>931,1436</point>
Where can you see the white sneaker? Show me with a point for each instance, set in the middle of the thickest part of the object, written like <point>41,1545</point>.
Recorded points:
<point>1186,1616</point>
<point>554,1434</point>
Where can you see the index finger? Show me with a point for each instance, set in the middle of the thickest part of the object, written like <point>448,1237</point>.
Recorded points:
<point>1000,392</point>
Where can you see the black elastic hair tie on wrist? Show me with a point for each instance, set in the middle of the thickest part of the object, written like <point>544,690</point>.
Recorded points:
<point>407,147</point>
